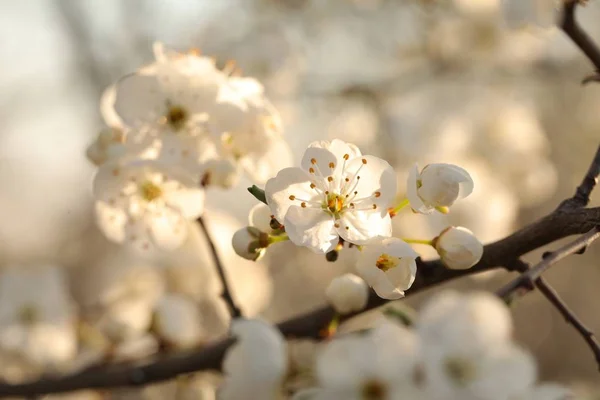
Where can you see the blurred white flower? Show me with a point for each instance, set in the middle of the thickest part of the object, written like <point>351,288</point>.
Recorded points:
<point>256,363</point>
<point>126,318</point>
<point>177,321</point>
<point>335,193</point>
<point>388,266</point>
<point>109,145</point>
<point>437,186</point>
<point>347,293</point>
<point>466,349</point>
<point>458,248</point>
<point>250,243</point>
<point>136,348</point>
<point>37,320</point>
<point>224,173</point>
<point>378,365</point>
<point>146,204</point>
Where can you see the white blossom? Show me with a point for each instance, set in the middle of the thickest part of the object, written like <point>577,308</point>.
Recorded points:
<point>177,321</point>
<point>109,145</point>
<point>256,363</point>
<point>250,243</point>
<point>546,391</point>
<point>347,293</point>
<point>458,248</point>
<point>335,193</point>
<point>388,266</point>
<point>146,204</point>
<point>378,365</point>
<point>36,316</point>
<point>437,186</point>
<point>224,173</point>
<point>467,352</point>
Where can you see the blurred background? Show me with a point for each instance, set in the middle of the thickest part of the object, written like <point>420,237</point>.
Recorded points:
<point>486,84</point>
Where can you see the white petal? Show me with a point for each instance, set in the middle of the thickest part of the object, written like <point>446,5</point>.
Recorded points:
<point>376,175</point>
<point>378,280</point>
<point>260,217</point>
<point>403,275</point>
<point>364,226</point>
<point>411,192</point>
<point>288,182</point>
<point>169,231</point>
<point>324,153</point>
<point>343,362</point>
<point>107,107</point>
<point>111,221</point>
<point>139,100</point>
<point>311,227</point>
<point>189,202</point>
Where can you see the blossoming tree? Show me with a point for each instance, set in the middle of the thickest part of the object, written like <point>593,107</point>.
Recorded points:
<point>178,127</point>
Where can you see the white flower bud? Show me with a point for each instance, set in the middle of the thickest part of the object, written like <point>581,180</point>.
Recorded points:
<point>437,186</point>
<point>458,248</point>
<point>248,243</point>
<point>347,293</point>
<point>224,173</point>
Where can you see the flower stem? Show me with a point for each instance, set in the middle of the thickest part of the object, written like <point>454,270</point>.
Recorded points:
<point>278,238</point>
<point>394,210</point>
<point>226,294</point>
<point>419,241</point>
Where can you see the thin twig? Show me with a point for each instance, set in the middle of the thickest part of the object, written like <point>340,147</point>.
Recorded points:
<point>226,293</point>
<point>526,280</point>
<point>569,25</point>
<point>552,296</point>
<point>570,317</point>
<point>584,190</point>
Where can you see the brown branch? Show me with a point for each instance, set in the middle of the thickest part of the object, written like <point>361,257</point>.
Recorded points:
<point>569,25</point>
<point>559,224</point>
<point>584,190</point>
<point>226,293</point>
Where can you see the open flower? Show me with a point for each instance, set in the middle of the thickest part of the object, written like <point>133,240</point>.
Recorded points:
<point>437,186</point>
<point>335,193</point>
<point>146,204</point>
<point>256,363</point>
<point>458,248</point>
<point>378,365</point>
<point>388,266</point>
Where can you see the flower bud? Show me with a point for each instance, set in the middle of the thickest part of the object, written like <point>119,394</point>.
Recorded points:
<point>437,186</point>
<point>177,321</point>
<point>347,293</point>
<point>458,248</point>
<point>250,243</point>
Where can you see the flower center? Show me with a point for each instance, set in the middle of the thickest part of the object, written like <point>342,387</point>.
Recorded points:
<point>374,390</point>
<point>334,203</point>
<point>150,191</point>
<point>386,262</point>
<point>176,116</point>
<point>460,370</point>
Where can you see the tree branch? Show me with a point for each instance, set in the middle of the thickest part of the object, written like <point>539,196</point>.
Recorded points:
<point>569,25</point>
<point>226,293</point>
<point>525,282</point>
<point>570,317</point>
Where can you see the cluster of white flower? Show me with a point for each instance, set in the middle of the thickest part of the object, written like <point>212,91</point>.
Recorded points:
<point>176,126</point>
<point>459,349</point>
<point>340,196</point>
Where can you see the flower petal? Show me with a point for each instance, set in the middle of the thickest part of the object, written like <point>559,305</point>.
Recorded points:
<point>378,280</point>
<point>189,202</point>
<point>260,217</point>
<point>412,195</point>
<point>377,184</point>
<point>311,227</point>
<point>288,182</point>
<point>325,153</point>
<point>169,230</point>
<point>358,227</point>
<point>139,100</point>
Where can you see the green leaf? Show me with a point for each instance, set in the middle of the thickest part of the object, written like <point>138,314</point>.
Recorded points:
<point>258,193</point>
